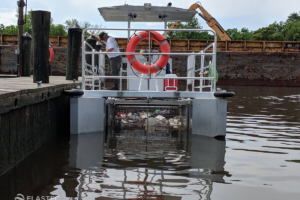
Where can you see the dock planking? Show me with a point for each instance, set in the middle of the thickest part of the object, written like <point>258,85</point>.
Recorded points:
<point>16,92</point>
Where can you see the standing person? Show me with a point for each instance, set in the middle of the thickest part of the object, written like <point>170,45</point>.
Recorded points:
<point>115,59</point>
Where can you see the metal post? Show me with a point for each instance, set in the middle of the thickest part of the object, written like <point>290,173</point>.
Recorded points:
<point>215,60</point>
<point>128,38</point>
<point>165,32</point>
<point>193,81</point>
<point>93,68</point>
<point>129,20</point>
<point>83,62</point>
<point>20,34</point>
<point>201,71</point>
<point>149,75</point>
<point>99,70</point>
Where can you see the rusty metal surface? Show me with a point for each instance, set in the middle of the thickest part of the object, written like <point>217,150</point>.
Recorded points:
<point>185,44</point>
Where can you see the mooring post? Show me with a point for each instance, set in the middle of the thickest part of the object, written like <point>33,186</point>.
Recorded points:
<point>40,30</point>
<point>26,56</point>
<point>20,34</point>
<point>98,47</point>
<point>92,41</point>
<point>74,44</point>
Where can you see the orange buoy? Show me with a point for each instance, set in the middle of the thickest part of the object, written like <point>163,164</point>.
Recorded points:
<point>51,54</point>
<point>160,64</point>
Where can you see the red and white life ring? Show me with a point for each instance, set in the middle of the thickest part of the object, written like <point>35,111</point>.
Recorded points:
<point>51,54</point>
<point>160,64</point>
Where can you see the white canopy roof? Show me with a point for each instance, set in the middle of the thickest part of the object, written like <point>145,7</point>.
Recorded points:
<point>146,14</point>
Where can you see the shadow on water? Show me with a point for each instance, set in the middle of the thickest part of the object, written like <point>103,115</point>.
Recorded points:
<point>126,165</point>
<point>37,170</point>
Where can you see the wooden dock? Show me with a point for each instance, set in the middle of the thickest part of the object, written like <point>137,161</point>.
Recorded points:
<point>16,92</point>
<point>31,115</point>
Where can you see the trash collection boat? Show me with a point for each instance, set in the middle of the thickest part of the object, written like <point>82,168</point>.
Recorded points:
<point>202,106</point>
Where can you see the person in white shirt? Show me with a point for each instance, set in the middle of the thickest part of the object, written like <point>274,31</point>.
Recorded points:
<point>115,59</point>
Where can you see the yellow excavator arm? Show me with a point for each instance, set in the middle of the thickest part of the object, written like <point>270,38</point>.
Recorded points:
<point>211,22</point>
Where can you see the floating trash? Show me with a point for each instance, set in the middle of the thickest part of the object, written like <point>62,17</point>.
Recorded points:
<point>149,118</point>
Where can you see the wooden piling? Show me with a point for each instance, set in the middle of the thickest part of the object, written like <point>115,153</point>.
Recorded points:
<point>26,56</point>
<point>74,44</point>
<point>40,30</point>
<point>97,48</point>
<point>92,41</point>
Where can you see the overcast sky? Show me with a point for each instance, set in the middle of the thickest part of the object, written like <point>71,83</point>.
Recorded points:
<point>252,14</point>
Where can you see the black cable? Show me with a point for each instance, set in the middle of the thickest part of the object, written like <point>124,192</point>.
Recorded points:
<point>131,36</point>
<point>156,38</point>
<point>160,71</point>
<point>133,72</point>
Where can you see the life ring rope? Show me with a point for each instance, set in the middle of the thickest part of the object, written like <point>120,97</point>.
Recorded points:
<point>51,54</point>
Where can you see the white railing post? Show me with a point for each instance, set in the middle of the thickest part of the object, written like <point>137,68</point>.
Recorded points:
<point>215,61</point>
<point>201,71</point>
<point>83,62</point>
<point>93,68</point>
<point>99,70</point>
<point>149,57</point>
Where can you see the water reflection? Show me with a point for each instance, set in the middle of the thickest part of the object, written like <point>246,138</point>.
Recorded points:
<point>137,164</point>
<point>262,154</point>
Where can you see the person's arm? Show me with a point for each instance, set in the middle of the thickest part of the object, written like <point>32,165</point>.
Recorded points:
<point>110,50</point>
<point>98,39</point>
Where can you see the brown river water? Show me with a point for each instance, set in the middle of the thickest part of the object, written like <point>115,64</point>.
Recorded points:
<point>259,158</point>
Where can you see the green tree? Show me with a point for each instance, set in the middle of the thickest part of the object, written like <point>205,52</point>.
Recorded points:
<point>274,32</point>
<point>69,23</point>
<point>11,29</point>
<point>243,34</point>
<point>292,31</point>
<point>293,17</point>
<point>2,28</point>
<point>193,24</point>
<point>57,29</point>
<point>84,25</point>
<point>27,27</point>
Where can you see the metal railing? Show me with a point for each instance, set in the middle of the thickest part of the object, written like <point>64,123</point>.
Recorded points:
<point>96,73</point>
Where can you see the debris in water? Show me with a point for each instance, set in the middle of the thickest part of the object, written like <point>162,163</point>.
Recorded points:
<point>158,120</point>
<point>121,114</point>
<point>156,111</point>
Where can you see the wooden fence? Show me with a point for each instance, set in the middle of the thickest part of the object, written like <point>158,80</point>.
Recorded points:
<point>185,44</point>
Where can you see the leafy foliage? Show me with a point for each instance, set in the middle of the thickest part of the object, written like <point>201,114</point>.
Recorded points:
<point>243,34</point>
<point>282,31</point>
<point>2,28</point>
<point>84,25</point>
<point>57,29</point>
<point>274,32</point>
<point>293,17</point>
<point>292,31</point>
<point>193,24</point>
<point>10,29</point>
